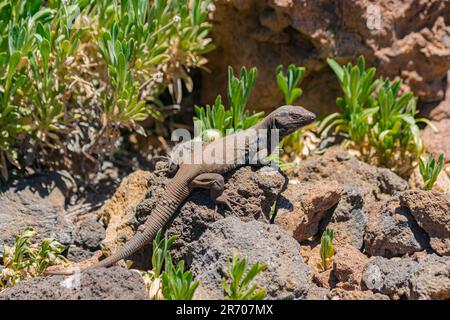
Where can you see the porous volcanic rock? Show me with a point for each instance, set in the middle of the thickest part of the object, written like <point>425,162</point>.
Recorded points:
<point>252,191</point>
<point>348,265</point>
<point>118,214</point>
<point>427,277</point>
<point>36,202</point>
<point>431,210</point>
<point>408,39</point>
<point>362,185</point>
<point>392,231</point>
<point>302,205</point>
<point>341,294</point>
<point>438,142</point>
<point>286,276</point>
<point>114,283</point>
<point>88,236</point>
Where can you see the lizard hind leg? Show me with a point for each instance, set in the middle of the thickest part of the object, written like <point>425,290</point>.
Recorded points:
<point>216,184</point>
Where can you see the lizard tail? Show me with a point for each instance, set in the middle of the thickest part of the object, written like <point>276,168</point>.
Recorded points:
<point>175,193</point>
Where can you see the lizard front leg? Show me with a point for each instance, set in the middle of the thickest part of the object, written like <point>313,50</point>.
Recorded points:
<point>216,184</point>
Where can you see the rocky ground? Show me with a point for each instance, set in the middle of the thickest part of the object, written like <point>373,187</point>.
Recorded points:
<point>401,38</point>
<point>392,242</point>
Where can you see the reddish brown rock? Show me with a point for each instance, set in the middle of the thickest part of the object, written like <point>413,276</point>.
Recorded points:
<point>348,267</point>
<point>341,294</point>
<point>362,185</point>
<point>431,210</point>
<point>442,110</point>
<point>302,206</point>
<point>118,213</point>
<point>438,142</point>
<point>322,278</point>
<point>392,231</point>
<point>408,39</point>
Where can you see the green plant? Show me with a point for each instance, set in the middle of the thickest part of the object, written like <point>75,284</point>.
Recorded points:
<point>304,141</point>
<point>240,287</point>
<point>178,284</point>
<point>166,281</point>
<point>58,93</point>
<point>236,118</point>
<point>430,170</point>
<point>378,123</point>
<point>394,133</point>
<point>357,105</point>
<point>326,248</point>
<point>26,260</point>
<point>288,83</point>
<point>160,252</point>
<point>153,278</point>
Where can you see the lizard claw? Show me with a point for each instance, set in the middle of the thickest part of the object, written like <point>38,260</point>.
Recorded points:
<point>226,201</point>
<point>58,270</point>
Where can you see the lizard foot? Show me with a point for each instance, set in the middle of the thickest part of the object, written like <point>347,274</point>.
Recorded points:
<point>229,203</point>
<point>74,268</point>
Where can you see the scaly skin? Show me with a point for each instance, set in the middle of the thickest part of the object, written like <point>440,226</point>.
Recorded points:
<point>286,119</point>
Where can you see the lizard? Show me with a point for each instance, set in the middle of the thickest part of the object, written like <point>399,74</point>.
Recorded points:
<point>208,175</point>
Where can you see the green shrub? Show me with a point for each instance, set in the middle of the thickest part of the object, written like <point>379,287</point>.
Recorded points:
<point>26,260</point>
<point>326,248</point>
<point>73,72</point>
<point>241,276</point>
<point>430,170</point>
<point>378,123</point>
<point>217,118</point>
<point>357,105</point>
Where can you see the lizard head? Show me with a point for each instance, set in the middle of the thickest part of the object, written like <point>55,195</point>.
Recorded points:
<point>288,119</point>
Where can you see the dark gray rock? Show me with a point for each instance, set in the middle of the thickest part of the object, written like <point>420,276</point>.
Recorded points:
<point>287,276</point>
<point>252,191</point>
<point>392,231</point>
<point>362,184</point>
<point>36,202</point>
<point>431,279</point>
<point>406,278</point>
<point>96,284</point>
<point>431,210</point>
<point>389,276</point>
<point>89,234</point>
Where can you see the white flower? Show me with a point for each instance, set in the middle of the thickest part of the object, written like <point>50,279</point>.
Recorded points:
<point>211,7</point>
<point>176,18</point>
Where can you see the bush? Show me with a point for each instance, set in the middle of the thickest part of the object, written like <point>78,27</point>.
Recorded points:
<point>27,260</point>
<point>379,124</point>
<point>216,121</point>
<point>74,72</point>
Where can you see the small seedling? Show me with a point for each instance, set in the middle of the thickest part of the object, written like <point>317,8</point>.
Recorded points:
<point>178,284</point>
<point>153,278</point>
<point>430,170</point>
<point>326,248</point>
<point>288,83</point>
<point>166,281</point>
<point>240,287</point>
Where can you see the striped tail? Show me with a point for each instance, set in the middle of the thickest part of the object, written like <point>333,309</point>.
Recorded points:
<point>175,193</point>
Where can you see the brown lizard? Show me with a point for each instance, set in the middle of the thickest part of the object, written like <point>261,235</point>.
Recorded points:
<point>219,157</point>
